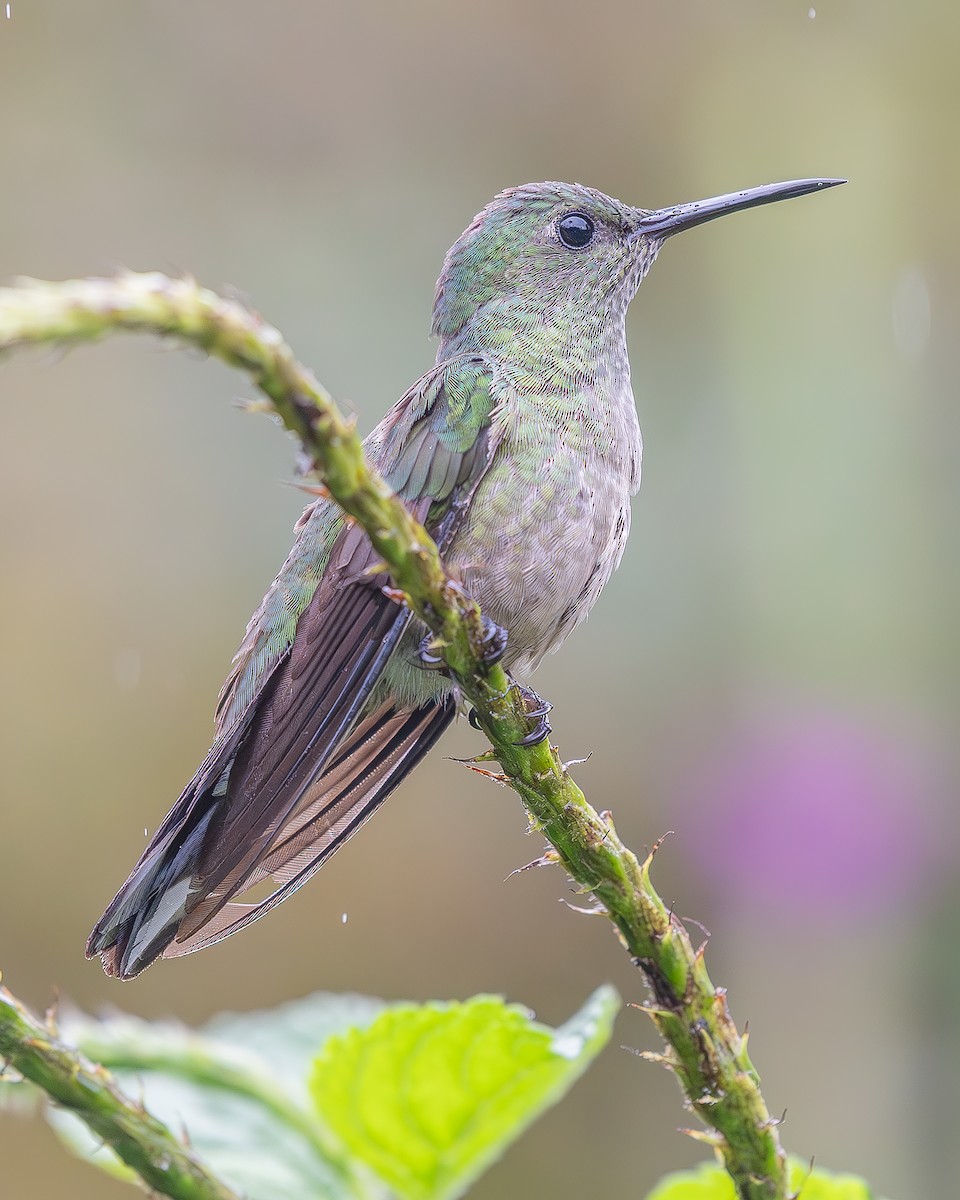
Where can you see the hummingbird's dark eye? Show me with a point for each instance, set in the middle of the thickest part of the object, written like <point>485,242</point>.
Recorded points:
<point>575,230</point>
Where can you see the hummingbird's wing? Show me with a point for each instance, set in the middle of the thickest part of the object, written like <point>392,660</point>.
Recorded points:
<point>291,774</point>
<point>375,756</point>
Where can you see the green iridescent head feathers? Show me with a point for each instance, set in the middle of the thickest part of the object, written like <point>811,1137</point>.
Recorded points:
<point>514,251</point>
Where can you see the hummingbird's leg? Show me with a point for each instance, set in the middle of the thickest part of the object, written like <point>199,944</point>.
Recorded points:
<point>429,655</point>
<point>493,645</point>
<point>537,708</point>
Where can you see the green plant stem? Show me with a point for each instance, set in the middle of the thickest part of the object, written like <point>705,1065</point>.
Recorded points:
<point>705,1049</point>
<point>146,1145</point>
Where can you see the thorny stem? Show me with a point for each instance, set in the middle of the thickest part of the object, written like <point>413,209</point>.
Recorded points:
<point>704,1047</point>
<point>146,1145</point>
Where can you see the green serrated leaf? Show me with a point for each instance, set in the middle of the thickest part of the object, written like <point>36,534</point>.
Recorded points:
<point>706,1182</point>
<point>818,1184</point>
<point>428,1096</point>
<point>289,1037</point>
<point>710,1182</point>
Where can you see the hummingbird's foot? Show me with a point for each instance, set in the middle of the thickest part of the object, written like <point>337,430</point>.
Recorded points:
<point>429,655</point>
<point>494,643</point>
<point>537,709</point>
<point>493,646</point>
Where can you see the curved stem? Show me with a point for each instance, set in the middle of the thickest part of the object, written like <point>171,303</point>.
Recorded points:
<point>705,1049</point>
<point>146,1145</point>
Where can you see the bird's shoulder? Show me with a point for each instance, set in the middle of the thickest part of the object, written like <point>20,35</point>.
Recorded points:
<point>440,430</point>
<point>436,442</point>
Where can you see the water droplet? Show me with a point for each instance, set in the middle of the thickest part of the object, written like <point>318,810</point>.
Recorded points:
<point>812,13</point>
<point>568,1046</point>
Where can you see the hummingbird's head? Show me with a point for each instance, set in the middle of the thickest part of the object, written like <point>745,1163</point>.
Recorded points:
<point>565,249</point>
<point>541,244</point>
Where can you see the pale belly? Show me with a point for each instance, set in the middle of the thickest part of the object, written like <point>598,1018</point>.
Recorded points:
<point>542,539</point>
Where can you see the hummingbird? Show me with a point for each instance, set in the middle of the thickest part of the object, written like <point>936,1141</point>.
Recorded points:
<point>520,452</point>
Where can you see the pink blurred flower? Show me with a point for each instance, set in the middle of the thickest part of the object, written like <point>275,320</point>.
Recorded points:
<point>818,809</point>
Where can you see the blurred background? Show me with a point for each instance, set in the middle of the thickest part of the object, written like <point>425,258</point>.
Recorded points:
<point>773,672</point>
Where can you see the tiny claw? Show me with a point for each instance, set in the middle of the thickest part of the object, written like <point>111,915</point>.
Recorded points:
<point>494,643</point>
<point>543,730</point>
<point>473,719</point>
<point>536,708</point>
<point>428,656</point>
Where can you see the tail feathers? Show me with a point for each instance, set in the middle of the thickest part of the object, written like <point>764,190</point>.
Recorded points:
<point>148,909</point>
<point>380,752</point>
<point>162,910</point>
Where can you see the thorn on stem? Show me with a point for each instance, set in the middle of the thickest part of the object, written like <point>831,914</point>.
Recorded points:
<point>658,843</point>
<point>547,859</point>
<point>575,762</point>
<point>703,1135</point>
<point>486,756</point>
<point>652,1010</point>
<point>796,1195</point>
<point>496,776</point>
<point>699,924</point>
<point>653,1056</point>
<point>253,405</point>
<point>595,910</point>
<point>312,489</point>
<point>52,1012</point>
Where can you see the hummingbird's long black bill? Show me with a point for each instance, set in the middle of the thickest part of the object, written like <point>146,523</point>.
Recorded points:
<point>664,222</point>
